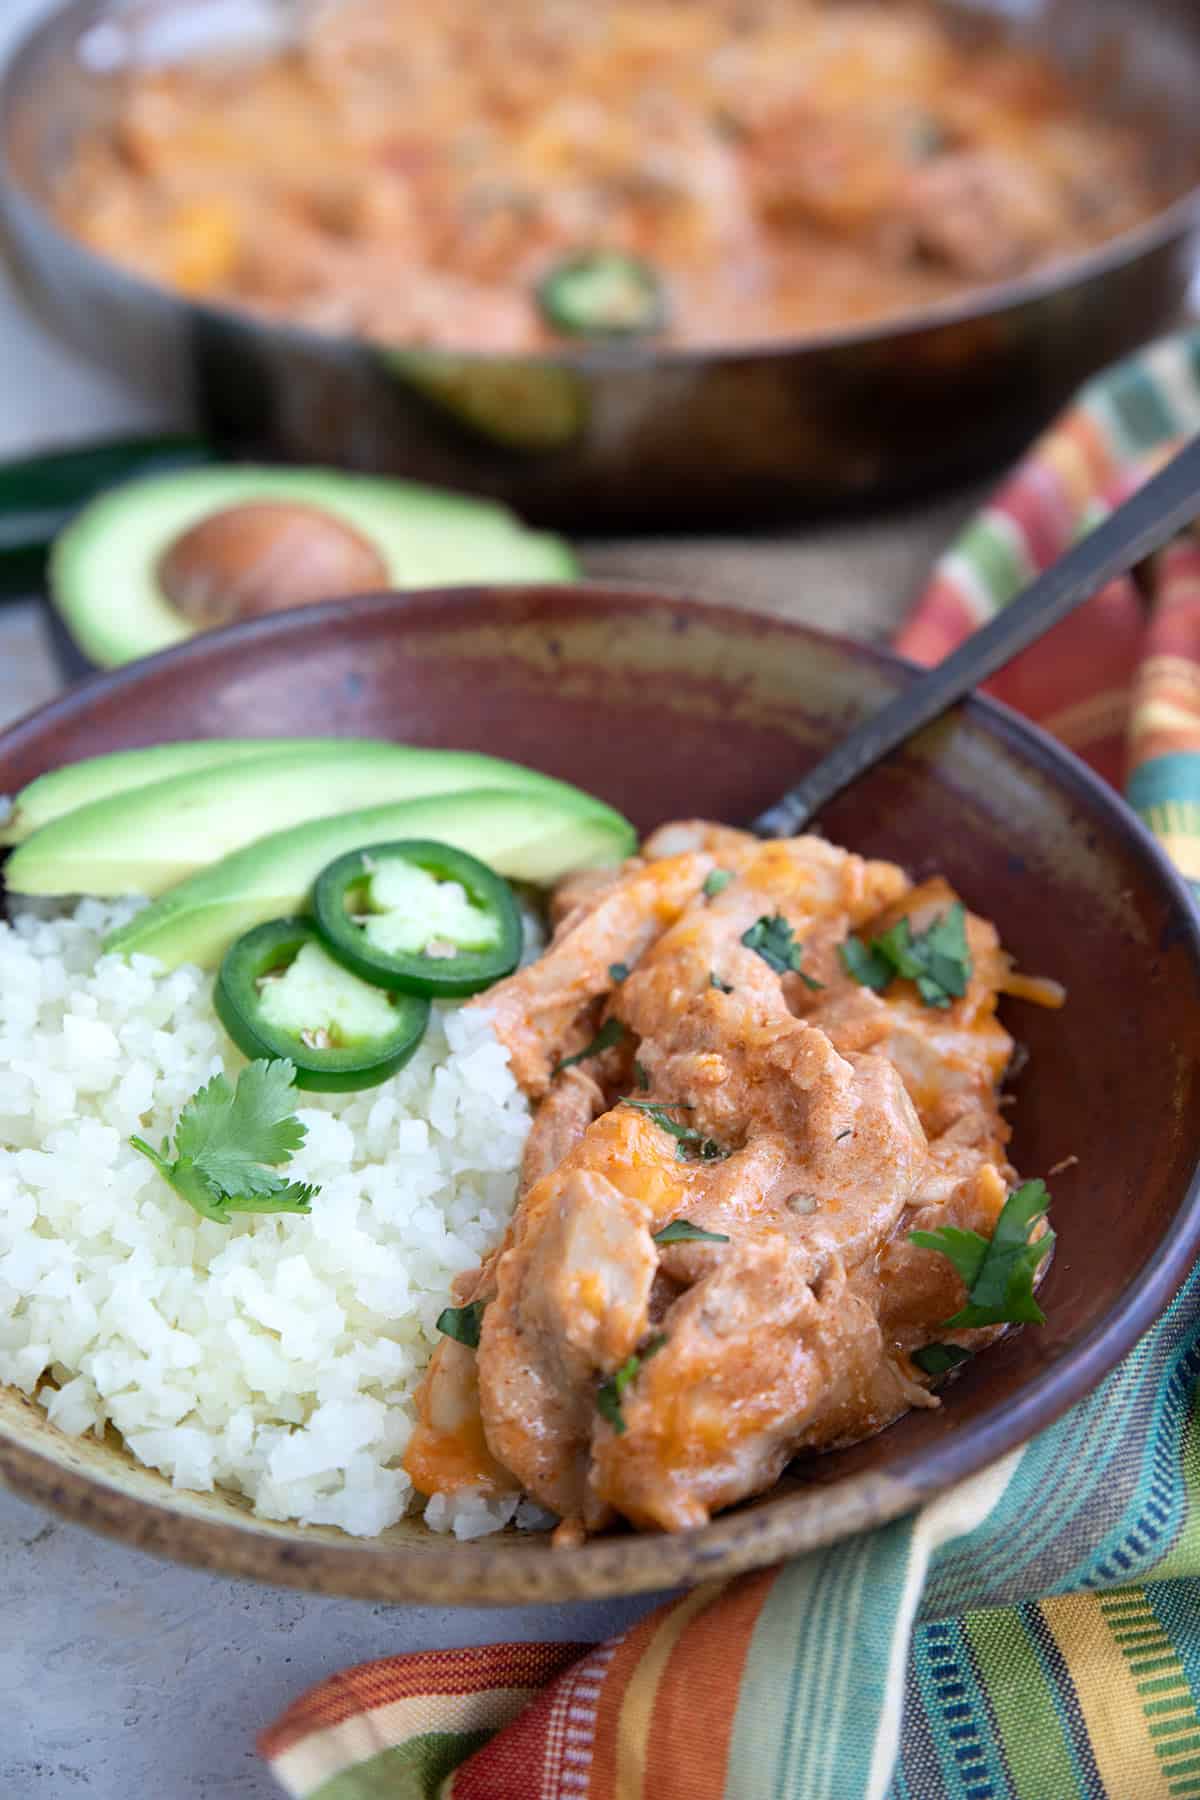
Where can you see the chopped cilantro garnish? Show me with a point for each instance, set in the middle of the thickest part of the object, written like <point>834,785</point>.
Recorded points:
<point>774,940</point>
<point>610,1033</point>
<point>722,987</point>
<point>937,959</point>
<point>641,1076</point>
<point>617,972</point>
<point>688,1141</point>
<point>716,883</point>
<point>228,1142</point>
<point>869,967</point>
<point>609,1393</point>
<point>462,1323</point>
<point>660,1112</point>
<point>710,1151</point>
<point>682,1231</point>
<point>998,1271</point>
<point>939,1359</point>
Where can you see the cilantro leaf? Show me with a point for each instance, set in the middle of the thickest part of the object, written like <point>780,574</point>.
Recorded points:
<point>682,1231</point>
<point>225,1140</point>
<point>709,1151</point>
<point>939,1359</point>
<point>229,1132</point>
<point>937,959</point>
<point>610,1033</point>
<point>868,967</point>
<point>997,1272</point>
<point>617,972</point>
<point>640,1075</point>
<point>716,882</point>
<point>773,939</point>
<point>688,1141</point>
<point>462,1323</point>
<point>609,1393</point>
<point>661,1114</point>
<point>289,1196</point>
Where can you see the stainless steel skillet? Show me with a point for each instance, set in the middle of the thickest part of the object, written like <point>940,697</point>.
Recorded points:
<point>644,438</point>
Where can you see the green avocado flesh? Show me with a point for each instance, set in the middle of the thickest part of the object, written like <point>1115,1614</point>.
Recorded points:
<point>534,836</point>
<point>100,777</point>
<point>146,839</point>
<point>103,568</point>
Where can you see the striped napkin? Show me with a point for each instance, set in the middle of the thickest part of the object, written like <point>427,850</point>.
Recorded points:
<point>1020,1638</point>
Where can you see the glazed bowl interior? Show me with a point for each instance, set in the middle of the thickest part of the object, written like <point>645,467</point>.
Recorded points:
<point>667,708</point>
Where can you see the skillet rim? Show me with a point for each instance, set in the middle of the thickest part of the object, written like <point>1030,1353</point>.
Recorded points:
<point>1167,223</point>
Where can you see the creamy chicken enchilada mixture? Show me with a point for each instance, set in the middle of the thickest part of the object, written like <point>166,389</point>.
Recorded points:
<point>712,1264</point>
<point>507,178</point>
<point>715,1176</point>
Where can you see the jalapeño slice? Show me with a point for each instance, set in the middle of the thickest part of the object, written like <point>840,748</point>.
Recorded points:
<point>603,294</point>
<point>420,917</point>
<point>279,993</point>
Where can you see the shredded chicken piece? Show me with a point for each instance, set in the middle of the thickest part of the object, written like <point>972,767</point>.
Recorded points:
<point>561,1120</point>
<point>804,1123</point>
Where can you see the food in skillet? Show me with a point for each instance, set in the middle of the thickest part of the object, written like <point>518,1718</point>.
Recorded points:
<point>505,178</point>
<point>718,1176</point>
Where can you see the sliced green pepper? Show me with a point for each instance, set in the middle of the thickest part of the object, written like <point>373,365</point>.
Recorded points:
<point>279,993</point>
<point>419,916</point>
<point>603,293</point>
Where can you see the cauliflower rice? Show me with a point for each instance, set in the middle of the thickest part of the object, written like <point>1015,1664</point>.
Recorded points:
<point>277,1356</point>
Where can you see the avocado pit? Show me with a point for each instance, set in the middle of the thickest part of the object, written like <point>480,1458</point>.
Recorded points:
<point>262,557</point>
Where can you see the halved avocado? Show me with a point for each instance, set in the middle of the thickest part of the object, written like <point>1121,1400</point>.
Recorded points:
<point>129,575</point>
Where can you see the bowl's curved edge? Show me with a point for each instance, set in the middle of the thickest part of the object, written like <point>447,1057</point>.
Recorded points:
<point>455,1574</point>
<point>755,1536</point>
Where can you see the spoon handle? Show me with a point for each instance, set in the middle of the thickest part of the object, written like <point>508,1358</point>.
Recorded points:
<point>1144,523</point>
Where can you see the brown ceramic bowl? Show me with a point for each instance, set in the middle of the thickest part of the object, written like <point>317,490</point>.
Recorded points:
<point>665,707</point>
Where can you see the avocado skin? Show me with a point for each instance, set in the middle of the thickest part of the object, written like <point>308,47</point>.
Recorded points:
<point>147,839</point>
<point>533,836</point>
<point>103,568</point>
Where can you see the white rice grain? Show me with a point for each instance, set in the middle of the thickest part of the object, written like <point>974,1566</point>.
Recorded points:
<point>277,1356</point>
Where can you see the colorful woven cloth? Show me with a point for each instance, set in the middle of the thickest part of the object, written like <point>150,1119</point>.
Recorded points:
<point>1023,1637</point>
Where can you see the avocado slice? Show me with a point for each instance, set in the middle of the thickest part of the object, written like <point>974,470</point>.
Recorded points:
<point>148,838</point>
<point>105,568</point>
<point>533,836</point>
<point>518,404</point>
<point>60,791</point>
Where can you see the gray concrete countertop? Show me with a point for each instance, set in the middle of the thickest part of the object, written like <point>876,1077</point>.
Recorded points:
<point>123,1676</point>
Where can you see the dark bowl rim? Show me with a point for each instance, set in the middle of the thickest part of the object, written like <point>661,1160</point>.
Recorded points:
<point>976,305</point>
<point>488,1572</point>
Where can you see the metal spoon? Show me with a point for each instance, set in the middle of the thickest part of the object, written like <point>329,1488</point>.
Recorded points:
<point>1167,503</point>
